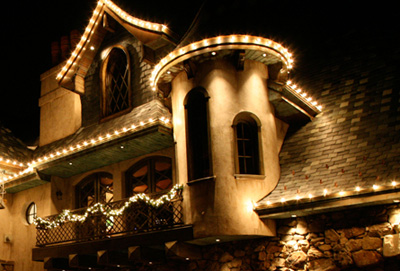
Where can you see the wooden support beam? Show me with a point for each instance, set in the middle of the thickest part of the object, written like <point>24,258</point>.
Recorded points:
<point>82,261</point>
<point>153,253</point>
<point>182,250</point>
<point>113,258</point>
<point>134,254</point>
<point>147,254</point>
<point>55,263</point>
<point>190,68</point>
<point>239,58</point>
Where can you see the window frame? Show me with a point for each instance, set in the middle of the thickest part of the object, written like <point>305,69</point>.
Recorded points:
<point>30,216</point>
<point>96,178</point>
<point>150,162</point>
<point>193,167</point>
<point>105,114</point>
<point>254,123</point>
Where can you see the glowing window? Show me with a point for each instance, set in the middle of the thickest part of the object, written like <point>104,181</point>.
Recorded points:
<point>247,144</point>
<point>95,188</point>
<point>151,175</point>
<point>116,82</point>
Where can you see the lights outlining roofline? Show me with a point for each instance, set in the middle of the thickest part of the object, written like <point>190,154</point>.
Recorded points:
<point>215,44</point>
<point>88,143</point>
<point>341,194</point>
<point>302,95</point>
<point>155,27</point>
<point>84,42</point>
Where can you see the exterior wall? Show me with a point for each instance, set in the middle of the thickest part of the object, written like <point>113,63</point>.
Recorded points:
<point>23,236</point>
<point>67,185</point>
<point>5,229</point>
<point>60,110</point>
<point>214,206</point>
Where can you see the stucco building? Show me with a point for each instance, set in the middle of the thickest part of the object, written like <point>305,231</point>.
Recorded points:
<point>199,150</point>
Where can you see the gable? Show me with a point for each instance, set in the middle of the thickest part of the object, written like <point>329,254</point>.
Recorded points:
<point>154,35</point>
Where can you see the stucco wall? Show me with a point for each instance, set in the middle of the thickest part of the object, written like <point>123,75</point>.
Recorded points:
<point>60,109</point>
<point>67,185</point>
<point>215,205</point>
<point>23,235</point>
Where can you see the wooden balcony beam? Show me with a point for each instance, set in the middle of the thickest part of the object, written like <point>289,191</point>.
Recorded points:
<point>55,263</point>
<point>182,250</point>
<point>82,261</point>
<point>113,258</point>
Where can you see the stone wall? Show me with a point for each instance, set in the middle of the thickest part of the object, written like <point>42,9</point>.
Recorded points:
<point>347,240</point>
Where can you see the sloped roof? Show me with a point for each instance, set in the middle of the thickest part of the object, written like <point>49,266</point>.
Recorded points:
<point>77,65</point>
<point>13,151</point>
<point>353,147</point>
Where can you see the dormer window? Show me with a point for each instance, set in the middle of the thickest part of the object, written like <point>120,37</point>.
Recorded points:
<point>116,82</point>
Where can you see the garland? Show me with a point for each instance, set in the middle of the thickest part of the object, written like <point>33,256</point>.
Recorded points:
<point>66,216</point>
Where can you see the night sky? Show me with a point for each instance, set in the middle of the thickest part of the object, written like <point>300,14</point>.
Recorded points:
<point>301,25</point>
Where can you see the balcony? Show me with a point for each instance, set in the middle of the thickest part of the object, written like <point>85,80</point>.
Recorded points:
<point>140,221</point>
<point>113,219</point>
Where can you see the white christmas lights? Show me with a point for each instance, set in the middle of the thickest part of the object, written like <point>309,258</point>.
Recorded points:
<point>80,146</point>
<point>342,193</point>
<point>93,22</point>
<point>220,43</point>
<point>66,216</point>
<point>293,88</point>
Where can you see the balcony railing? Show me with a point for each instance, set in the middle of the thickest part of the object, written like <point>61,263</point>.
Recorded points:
<point>114,219</point>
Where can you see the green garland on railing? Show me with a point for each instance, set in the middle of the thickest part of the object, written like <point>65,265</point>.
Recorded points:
<point>66,216</point>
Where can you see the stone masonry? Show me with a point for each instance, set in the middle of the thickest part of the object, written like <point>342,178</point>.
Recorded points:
<point>345,240</point>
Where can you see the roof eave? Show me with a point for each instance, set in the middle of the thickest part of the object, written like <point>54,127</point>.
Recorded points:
<point>307,207</point>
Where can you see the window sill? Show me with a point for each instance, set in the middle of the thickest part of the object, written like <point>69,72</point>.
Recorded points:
<point>249,176</point>
<point>205,179</point>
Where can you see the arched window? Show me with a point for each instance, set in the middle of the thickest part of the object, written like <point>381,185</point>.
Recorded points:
<point>116,82</point>
<point>150,175</point>
<point>197,135</point>
<point>97,187</point>
<point>246,130</point>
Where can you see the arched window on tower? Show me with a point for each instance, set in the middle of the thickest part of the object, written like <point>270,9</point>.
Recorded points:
<point>246,129</point>
<point>116,82</point>
<point>197,135</point>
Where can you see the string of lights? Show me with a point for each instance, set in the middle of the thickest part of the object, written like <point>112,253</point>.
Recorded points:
<point>29,167</point>
<point>325,194</point>
<point>67,216</point>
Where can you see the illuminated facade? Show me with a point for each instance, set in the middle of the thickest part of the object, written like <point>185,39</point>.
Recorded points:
<point>156,154</point>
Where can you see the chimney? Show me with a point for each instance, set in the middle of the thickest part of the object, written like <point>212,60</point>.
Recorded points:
<point>55,53</point>
<point>65,48</point>
<point>61,51</point>
<point>75,37</point>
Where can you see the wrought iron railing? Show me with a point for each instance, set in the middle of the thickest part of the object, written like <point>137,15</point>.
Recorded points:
<point>137,217</point>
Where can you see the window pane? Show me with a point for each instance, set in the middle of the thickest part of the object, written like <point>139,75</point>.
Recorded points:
<point>139,180</point>
<point>31,213</point>
<point>116,82</point>
<point>140,188</point>
<point>95,188</point>
<point>198,154</point>
<point>247,147</point>
<point>149,176</point>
